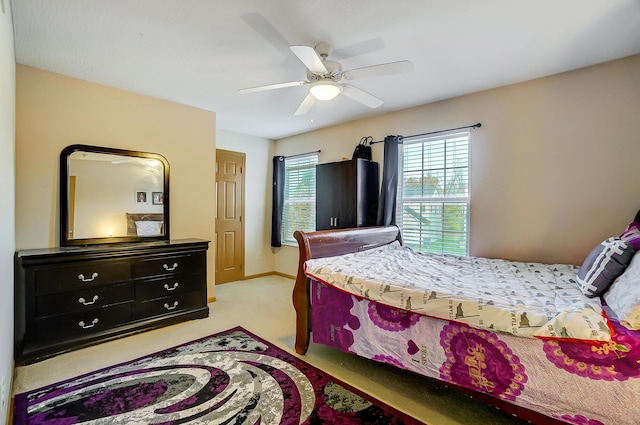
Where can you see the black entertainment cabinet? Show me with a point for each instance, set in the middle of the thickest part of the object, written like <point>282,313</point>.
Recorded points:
<point>347,194</point>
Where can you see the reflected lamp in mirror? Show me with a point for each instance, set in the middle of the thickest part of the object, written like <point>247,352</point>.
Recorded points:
<point>112,195</point>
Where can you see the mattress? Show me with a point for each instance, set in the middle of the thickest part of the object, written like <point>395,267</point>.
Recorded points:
<point>531,300</point>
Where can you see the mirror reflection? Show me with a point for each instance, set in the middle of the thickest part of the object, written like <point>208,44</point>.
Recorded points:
<point>113,195</point>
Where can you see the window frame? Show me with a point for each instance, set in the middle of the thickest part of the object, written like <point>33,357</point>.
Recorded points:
<point>441,200</point>
<point>297,160</point>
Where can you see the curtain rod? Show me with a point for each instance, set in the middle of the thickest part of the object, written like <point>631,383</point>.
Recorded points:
<point>302,154</point>
<point>476,125</point>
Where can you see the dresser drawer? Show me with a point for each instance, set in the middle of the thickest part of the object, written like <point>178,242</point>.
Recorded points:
<point>170,304</point>
<point>81,275</point>
<point>168,264</point>
<point>84,299</point>
<point>79,324</point>
<point>166,286</point>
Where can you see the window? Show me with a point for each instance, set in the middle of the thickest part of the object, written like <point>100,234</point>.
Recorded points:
<point>433,199</point>
<point>299,208</point>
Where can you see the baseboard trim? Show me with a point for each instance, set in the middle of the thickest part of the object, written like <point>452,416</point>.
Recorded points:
<point>288,276</point>
<point>253,276</point>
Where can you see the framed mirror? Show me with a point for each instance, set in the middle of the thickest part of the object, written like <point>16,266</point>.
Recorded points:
<point>112,195</point>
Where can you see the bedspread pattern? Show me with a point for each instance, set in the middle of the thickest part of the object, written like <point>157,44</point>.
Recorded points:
<point>574,382</point>
<point>524,299</point>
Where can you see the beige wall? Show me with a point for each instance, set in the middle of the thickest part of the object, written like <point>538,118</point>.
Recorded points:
<point>258,255</point>
<point>54,111</point>
<point>7,213</point>
<point>553,168</point>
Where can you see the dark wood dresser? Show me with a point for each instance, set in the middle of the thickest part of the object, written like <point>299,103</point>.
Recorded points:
<point>71,297</point>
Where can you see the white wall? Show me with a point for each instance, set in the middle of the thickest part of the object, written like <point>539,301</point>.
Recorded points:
<point>553,168</point>
<point>7,206</point>
<point>259,257</point>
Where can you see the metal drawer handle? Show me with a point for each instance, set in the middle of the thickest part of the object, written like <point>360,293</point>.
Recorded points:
<point>170,268</point>
<point>83,326</point>
<point>85,302</point>
<point>175,285</point>
<point>168,307</point>
<point>93,276</point>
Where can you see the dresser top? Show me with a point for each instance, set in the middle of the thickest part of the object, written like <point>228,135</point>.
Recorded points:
<point>114,249</point>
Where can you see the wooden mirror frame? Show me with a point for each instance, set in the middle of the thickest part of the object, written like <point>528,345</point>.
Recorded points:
<point>64,196</point>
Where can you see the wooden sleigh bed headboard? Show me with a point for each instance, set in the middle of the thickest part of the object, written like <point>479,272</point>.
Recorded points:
<point>133,217</point>
<point>329,243</point>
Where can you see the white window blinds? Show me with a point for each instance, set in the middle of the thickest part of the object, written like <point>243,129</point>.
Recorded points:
<point>434,194</point>
<point>299,208</point>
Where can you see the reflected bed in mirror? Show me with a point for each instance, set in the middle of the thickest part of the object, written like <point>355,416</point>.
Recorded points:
<point>112,195</point>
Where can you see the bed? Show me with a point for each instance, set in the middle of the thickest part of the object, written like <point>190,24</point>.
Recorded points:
<point>144,224</point>
<point>539,375</point>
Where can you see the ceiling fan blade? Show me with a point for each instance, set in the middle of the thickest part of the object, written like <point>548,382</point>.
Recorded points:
<point>259,24</point>
<point>358,49</point>
<point>379,70</point>
<point>272,86</point>
<point>310,59</point>
<point>361,96</point>
<point>306,105</point>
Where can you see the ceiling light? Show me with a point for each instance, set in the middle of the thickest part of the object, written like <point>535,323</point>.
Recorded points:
<point>325,90</point>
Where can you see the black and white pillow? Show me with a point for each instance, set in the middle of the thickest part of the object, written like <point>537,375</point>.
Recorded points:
<point>603,265</point>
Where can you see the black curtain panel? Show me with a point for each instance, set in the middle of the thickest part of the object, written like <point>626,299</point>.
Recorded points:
<point>278,201</point>
<point>389,189</point>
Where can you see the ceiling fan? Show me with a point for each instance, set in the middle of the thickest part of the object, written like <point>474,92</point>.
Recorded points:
<point>324,76</point>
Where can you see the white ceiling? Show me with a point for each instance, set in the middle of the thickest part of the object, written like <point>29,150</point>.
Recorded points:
<point>201,52</point>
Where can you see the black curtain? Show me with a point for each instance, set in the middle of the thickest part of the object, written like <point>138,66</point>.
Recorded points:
<point>389,189</point>
<point>278,201</point>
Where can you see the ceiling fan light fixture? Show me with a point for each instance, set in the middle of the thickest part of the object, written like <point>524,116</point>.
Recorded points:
<point>325,90</point>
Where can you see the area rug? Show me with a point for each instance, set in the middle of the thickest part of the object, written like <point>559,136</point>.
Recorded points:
<point>230,378</point>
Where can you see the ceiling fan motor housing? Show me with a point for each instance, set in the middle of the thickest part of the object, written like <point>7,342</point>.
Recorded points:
<point>323,49</point>
<point>334,74</point>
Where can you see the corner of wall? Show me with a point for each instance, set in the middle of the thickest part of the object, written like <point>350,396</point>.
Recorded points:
<point>7,207</point>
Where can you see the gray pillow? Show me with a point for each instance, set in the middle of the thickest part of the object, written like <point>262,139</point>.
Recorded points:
<point>603,265</point>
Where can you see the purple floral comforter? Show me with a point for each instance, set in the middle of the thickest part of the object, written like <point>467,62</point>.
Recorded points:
<point>574,382</point>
